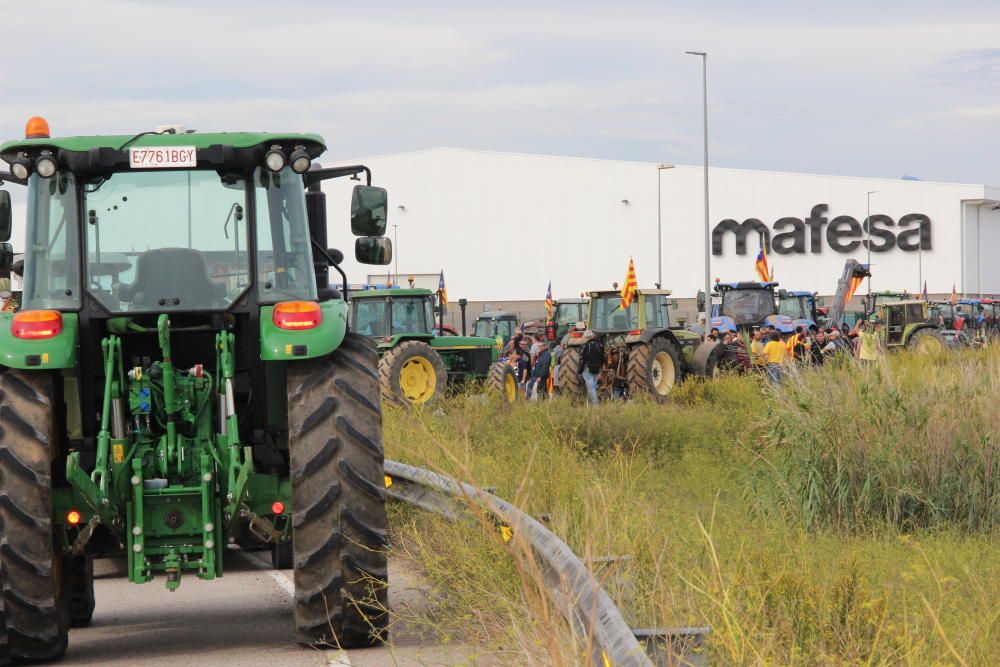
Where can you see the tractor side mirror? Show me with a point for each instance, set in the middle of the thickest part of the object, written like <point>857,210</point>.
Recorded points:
<point>369,208</point>
<point>336,255</point>
<point>782,294</point>
<point>5,216</point>
<point>6,257</point>
<point>373,250</point>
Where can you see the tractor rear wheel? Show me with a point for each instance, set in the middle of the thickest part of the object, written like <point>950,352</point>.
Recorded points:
<point>927,341</point>
<point>34,580</point>
<point>654,368</point>
<point>338,497</point>
<point>412,373</point>
<point>80,571</point>
<point>503,380</point>
<point>570,369</point>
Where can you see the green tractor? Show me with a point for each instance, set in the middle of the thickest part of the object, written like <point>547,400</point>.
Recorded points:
<point>181,378</point>
<point>415,365</point>
<point>498,325</point>
<point>566,314</point>
<point>910,325</point>
<point>644,355</point>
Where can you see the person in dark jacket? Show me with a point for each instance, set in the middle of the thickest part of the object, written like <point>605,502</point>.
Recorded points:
<point>592,357</point>
<point>540,374</point>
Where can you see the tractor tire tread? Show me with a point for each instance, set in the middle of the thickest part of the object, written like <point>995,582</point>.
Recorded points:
<point>341,449</point>
<point>391,363</point>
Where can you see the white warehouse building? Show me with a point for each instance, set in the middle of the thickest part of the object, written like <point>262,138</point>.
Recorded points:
<point>503,225</point>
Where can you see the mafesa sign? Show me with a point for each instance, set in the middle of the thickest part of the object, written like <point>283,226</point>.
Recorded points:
<point>797,236</point>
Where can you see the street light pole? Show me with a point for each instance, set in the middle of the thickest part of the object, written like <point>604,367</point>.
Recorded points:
<point>868,243</point>
<point>708,237</point>
<point>659,226</point>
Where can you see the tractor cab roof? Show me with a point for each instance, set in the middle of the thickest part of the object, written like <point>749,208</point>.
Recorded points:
<point>108,153</point>
<point>905,302</point>
<point>745,285</point>
<point>604,293</point>
<point>497,315</point>
<point>798,293</point>
<point>382,292</point>
<point>559,301</point>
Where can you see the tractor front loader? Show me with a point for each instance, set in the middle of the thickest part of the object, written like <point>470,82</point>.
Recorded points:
<point>181,378</point>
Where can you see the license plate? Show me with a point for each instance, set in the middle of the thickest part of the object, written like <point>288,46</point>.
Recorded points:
<point>162,157</point>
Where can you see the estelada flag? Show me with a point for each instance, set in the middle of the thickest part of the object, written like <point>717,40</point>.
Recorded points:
<point>761,265</point>
<point>923,295</point>
<point>631,287</point>
<point>442,289</point>
<point>548,301</point>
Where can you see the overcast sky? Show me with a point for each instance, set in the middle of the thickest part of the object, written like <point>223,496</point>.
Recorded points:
<point>853,88</point>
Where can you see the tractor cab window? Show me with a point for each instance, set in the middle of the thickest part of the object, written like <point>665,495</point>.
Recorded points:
<point>794,307</point>
<point>483,328</point>
<point>429,313</point>
<point>408,316</point>
<point>284,253</point>
<point>166,240</point>
<point>747,306</point>
<point>608,314</point>
<point>51,259</point>
<point>369,317</point>
<point>915,312</point>
<point>656,311</point>
<point>569,313</point>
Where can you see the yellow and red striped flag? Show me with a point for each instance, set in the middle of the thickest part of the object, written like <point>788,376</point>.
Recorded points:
<point>548,301</point>
<point>761,265</point>
<point>954,295</point>
<point>631,287</point>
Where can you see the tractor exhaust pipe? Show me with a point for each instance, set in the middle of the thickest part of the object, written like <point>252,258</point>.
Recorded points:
<point>463,303</point>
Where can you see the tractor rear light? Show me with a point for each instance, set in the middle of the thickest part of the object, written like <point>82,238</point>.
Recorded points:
<point>73,518</point>
<point>635,332</point>
<point>576,334</point>
<point>300,160</point>
<point>37,324</point>
<point>277,507</point>
<point>297,315</point>
<point>36,128</point>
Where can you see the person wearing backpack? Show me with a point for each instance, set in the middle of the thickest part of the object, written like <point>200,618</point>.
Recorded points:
<point>592,357</point>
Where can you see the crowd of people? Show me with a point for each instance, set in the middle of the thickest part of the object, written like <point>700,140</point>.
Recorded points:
<point>536,361</point>
<point>808,346</point>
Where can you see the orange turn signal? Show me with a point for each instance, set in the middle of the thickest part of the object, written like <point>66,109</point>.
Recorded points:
<point>37,324</point>
<point>36,128</point>
<point>73,518</point>
<point>297,315</point>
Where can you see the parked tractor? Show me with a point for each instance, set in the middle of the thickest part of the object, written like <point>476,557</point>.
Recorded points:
<point>415,365</point>
<point>875,300</point>
<point>742,306</point>
<point>181,377</point>
<point>909,325</point>
<point>643,354</point>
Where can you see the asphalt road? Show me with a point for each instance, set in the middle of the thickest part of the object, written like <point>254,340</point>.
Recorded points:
<point>244,618</point>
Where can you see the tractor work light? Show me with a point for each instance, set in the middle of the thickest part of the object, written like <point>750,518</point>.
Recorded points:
<point>36,128</point>
<point>20,166</point>
<point>297,315</point>
<point>300,160</point>
<point>274,159</point>
<point>45,165</point>
<point>37,324</point>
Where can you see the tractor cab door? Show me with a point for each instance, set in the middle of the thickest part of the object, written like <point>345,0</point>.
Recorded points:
<point>371,317</point>
<point>656,311</point>
<point>895,325</point>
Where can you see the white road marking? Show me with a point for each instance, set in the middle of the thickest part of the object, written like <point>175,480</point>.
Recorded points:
<point>279,577</point>
<point>338,658</point>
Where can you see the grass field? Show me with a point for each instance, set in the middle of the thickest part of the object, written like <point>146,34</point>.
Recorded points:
<point>847,517</point>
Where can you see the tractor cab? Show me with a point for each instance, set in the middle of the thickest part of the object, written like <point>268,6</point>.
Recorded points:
<point>800,306</point>
<point>743,305</point>
<point>974,312</point>
<point>648,310</point>
<point>567,314</point>
<point>393,312</point>
<point>496,324</point>
<point>874,300</point>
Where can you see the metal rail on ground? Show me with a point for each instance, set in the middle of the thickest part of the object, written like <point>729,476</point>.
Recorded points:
<point>569,583</point>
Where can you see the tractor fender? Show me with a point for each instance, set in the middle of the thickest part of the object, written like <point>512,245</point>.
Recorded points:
<point>647,336</point>
<point>699,361</point>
